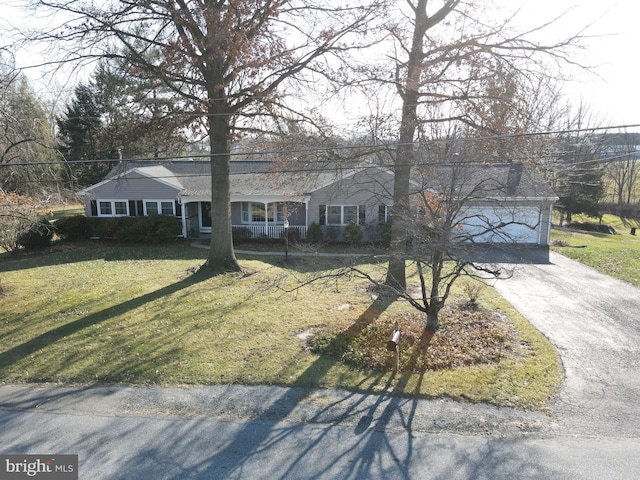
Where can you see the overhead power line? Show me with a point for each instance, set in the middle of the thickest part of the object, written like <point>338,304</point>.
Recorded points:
<point>324,148</point>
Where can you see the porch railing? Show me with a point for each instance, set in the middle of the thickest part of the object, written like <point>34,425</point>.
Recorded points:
<point>267,231</point>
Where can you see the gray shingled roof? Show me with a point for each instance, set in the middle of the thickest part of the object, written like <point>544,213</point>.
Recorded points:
<point>485,181</point>
<point>260,178</point>
<point>251,178</point>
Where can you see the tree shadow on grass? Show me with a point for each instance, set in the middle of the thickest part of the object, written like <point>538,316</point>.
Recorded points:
<point>370,414</point>
<point>23,350</point>
<point>310,264</point>
<point>284,406</point>
<point>61,253</point>
<point>251,440</point>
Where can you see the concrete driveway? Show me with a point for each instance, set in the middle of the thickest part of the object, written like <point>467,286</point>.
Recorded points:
<point>594,322</point>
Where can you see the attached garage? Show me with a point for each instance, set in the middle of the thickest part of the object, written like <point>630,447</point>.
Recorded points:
<point>508,224</point>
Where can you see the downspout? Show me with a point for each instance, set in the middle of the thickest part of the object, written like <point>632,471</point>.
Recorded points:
<point>307,199</point>
<point>184,217</point>
<point>549,223</point>
<point>541,225</point>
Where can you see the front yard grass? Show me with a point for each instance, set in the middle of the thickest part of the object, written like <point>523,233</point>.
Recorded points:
<point>96,313</point>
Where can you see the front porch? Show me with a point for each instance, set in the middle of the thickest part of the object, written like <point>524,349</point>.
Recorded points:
<point>250,219</point>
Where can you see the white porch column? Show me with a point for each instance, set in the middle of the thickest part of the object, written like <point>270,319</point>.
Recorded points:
<point>266,218</point>
<point>306,212</point>
<point>184,217</point>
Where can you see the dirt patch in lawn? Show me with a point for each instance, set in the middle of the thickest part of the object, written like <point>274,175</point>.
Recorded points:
<point>468,335</point>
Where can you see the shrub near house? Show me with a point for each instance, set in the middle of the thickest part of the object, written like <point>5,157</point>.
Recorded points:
<point>151,229</point>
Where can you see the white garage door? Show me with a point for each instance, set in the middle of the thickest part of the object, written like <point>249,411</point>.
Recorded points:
<point>502,224</point>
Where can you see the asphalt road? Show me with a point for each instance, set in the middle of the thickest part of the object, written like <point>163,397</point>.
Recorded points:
<point>593,430</point>
<point>165,447</point>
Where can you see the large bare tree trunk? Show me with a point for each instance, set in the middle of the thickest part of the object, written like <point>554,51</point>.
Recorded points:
<point>409,91</point>
<point>396,273</point>
<point>221,255</point>
<point>404,159</point>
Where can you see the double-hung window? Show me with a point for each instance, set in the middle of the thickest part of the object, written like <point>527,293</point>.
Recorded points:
<point>342,214</point>
<point>159,207</point>
<point>254,212</point>
<point>384,213</point>
<point>113,208</point>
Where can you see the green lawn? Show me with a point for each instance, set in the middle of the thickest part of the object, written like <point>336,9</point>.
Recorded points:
<point>59,211</point>
<point>615,255</point>
<point>101,313</point>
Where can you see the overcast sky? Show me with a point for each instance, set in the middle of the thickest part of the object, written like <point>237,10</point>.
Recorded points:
<point>611,92</point>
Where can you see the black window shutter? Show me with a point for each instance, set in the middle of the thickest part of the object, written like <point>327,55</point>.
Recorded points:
<point>132,208</point>
<point>140,208</point>
<point>178,209</point>
<point>361,214</point>
<point>382,210</point>
<point>94,208</point>
<point>323,214</point>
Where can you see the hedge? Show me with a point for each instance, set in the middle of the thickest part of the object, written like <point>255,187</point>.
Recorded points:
<point>151,229</point>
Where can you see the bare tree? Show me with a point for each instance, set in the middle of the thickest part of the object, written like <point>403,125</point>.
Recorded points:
<point>226,61</point>
<point>444,51</point>
<point>621,166</point>
<point>465,217</point>
<point>20,215</point>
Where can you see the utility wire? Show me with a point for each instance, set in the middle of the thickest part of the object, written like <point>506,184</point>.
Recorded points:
<point>376,147</point>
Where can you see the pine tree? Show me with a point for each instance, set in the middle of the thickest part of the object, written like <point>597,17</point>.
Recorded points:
<point>78,136</point>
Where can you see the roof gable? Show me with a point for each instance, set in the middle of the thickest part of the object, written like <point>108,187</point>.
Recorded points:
<point>156,173</point>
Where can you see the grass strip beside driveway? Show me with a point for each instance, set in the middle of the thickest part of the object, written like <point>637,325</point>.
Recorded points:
<point>615,255</point>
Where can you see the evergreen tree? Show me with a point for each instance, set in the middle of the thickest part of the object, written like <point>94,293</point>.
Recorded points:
<point>27,147</point>
<point>579,176</point>
<point>117,116</point>
<point>138,113</point>
<point>78,134</point>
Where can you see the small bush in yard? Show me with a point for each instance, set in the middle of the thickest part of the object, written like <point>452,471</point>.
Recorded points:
<point>38,234</point>
<point>353,234</point>
<point>473,290</point>
<point>314,233</point>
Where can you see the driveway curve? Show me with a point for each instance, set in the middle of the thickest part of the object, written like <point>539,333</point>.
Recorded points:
<point>594,322</point>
